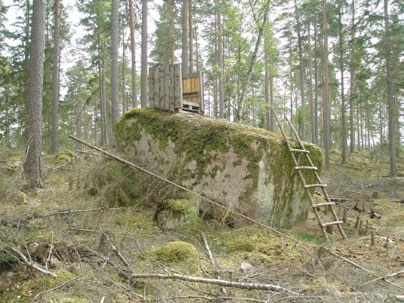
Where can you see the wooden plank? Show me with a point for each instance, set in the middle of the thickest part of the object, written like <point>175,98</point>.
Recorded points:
<point>201,94</point>
<point>156,99</point>
<point>171,87</point>
<point>151,87</point>
<point>177,86</point>
<point>185,89</point>
<point>161,88</point>
<point>166,88</point>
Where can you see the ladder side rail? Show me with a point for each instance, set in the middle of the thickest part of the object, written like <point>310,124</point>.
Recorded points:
<point>303,180</point>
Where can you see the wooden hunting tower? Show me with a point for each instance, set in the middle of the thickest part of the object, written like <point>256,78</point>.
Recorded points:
<point>169,90</point>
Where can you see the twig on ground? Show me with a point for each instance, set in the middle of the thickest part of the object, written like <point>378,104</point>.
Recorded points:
<point>118,254</point>
<point>48,259</point>
<point>398,274</point>
<point>360,267</point>
<point>212,260</point>
<point>205,241</point>
<point>56,287</point>
<point>32,264</point>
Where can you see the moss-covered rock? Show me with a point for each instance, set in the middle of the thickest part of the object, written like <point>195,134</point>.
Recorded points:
<point>65,156</point>
<point>246,169</point>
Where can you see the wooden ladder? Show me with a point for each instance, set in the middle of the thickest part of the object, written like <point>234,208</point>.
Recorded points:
<point>302,153</point>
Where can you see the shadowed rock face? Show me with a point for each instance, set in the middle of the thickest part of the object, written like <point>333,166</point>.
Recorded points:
<point>247,169</point>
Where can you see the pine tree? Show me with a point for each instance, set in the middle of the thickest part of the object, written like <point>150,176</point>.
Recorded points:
<point>32,165</point>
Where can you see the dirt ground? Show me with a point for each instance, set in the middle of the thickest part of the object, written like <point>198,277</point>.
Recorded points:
<point>79,247</point>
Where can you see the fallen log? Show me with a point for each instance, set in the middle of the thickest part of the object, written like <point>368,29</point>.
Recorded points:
<point>226,283</point>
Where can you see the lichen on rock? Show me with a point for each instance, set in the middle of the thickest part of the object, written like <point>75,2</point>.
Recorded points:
<point>246,169</point>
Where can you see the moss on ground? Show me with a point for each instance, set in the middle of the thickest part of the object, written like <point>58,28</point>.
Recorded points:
<point>177,254</point>
<point>247,239</point>
<point>174,252</point>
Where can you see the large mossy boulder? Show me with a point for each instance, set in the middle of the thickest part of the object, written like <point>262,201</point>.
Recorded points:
<point>246,169</point>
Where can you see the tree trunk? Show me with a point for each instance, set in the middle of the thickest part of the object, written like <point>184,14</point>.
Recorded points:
<point>268,107</point>
<point>114,63</point>
<point>191,38</point>
<point>301,80</point>
<point>32,165</point>
<point>172,30</point>
<point>185,42</point>
<point>239,110</point>
<point>220,60</point>
<point>391,106</point>
<point>133,53</point>
<point>7,117</point>
<point>316,91</point>
<point>101,77</point>
<point>124,106</point>
<point>343,106</point>
<point>55,81</point>
<point>1,17</point>
<point>352,83</point>
<point>326,101</point>
<point>271,93</point>
<point>144,55</point>
<point>79,118</point>
<point>103,109</point>
<point>310,86</point>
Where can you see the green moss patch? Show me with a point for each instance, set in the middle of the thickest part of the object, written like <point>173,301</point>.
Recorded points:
<point>178,214</point>
<point>248,239</point>
<point>63,157</point>
<point>175,252</point>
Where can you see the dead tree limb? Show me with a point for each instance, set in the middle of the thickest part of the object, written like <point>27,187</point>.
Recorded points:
<point>205,241</point>
<point>212,260</point>
<point>32,264</point>
<point>360,267</point>
<point>398,274</point>
<point>226,283</point>
<point>117,252</point>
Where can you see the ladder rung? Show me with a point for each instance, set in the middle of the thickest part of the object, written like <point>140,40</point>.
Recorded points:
<point>332,223</point>
<point>306,167</point>
<point>296,150</point>
<point>324,204</point>
<point>314,185</point>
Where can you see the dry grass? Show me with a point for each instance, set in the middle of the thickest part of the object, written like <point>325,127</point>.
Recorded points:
<point>67,222</point>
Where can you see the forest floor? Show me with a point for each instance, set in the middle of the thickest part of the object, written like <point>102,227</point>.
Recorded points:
<point>78,247</point>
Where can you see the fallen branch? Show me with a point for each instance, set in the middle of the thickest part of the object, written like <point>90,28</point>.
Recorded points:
<point>205,241</point>
<point>117,253</point>
<point>339,199</point>
<point>398,274</point>
<point>258,286</point>
<point>212,260</point>
<point>31,264</point>
<point>373,214</point>
<point>360,267</point>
